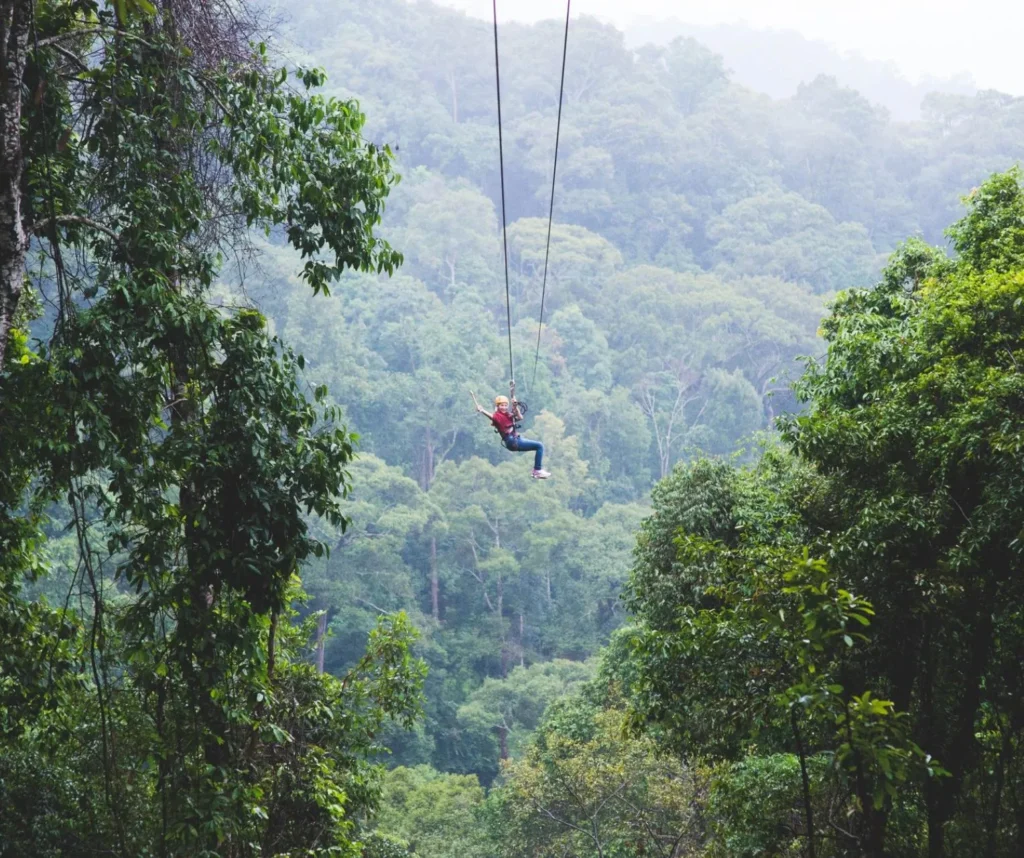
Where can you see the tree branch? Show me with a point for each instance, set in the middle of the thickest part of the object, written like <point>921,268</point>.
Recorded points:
<point>70,34</point>
<point>74,59</point>
<point>40,225</point>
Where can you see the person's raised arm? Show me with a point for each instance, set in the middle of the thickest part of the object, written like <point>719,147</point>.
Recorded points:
<point>480,409</point>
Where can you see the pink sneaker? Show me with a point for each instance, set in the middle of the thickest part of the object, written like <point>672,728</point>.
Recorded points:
<point>541,474</point>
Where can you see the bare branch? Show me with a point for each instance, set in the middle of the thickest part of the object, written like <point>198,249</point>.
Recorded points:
<point>41,225</point>
<point>70,34</point>
<point>72,58</point>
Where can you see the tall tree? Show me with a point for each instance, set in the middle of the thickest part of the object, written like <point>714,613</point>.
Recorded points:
<point>910,417</point>
<point>180,437</point>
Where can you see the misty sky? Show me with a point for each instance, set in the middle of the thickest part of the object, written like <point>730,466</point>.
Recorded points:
<point>922,37</point>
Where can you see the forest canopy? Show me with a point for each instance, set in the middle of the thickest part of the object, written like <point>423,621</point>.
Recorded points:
<point>267,584</point>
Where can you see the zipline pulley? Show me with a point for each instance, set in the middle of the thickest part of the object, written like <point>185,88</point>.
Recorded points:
<point>515,406</point>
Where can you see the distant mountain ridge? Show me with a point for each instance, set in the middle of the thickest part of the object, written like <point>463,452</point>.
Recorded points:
<point>776,62</point>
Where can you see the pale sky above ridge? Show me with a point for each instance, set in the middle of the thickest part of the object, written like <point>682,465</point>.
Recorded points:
<point>922,37</point>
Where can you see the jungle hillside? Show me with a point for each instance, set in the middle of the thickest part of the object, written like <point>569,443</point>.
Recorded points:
<point>269,586</point>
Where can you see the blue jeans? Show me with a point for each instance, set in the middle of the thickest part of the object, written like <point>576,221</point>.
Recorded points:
<point>517,444</point>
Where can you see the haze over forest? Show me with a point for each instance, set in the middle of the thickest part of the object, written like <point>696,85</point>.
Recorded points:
<point>921,40</point>
<point>769,602</point>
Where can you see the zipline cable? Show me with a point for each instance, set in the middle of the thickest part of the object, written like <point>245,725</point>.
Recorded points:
<point>504,227</point>
<point>551,207</point>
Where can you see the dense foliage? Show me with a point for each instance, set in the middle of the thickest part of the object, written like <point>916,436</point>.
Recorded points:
<point>824,651</point>
<point>162,704</point>
<point>699,231</point>
<point>897,663</point>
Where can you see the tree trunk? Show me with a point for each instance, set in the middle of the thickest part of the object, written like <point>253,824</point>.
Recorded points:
<point>936,820</point>
<point>1005,751</point>
<point>872,823</point>
<point>272,646</point>
<point>201,637</point>
<point>522,646</point>
<point>928,730</point>
<point>1019,814</point>
<point>878,823</point>
<point>427,462</point>
<point>435,608</point>
<point>500,612</point>
<point>451,272</point>
<point>806,783</point>
<point>960,748</point>
<point>321,637</point>
<point>15,16</point>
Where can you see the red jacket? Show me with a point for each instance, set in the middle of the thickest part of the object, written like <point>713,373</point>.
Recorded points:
<point>504,423</point>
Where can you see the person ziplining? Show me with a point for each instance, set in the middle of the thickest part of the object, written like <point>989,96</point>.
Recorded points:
<point>508,414</point>
<point>506,419</point>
